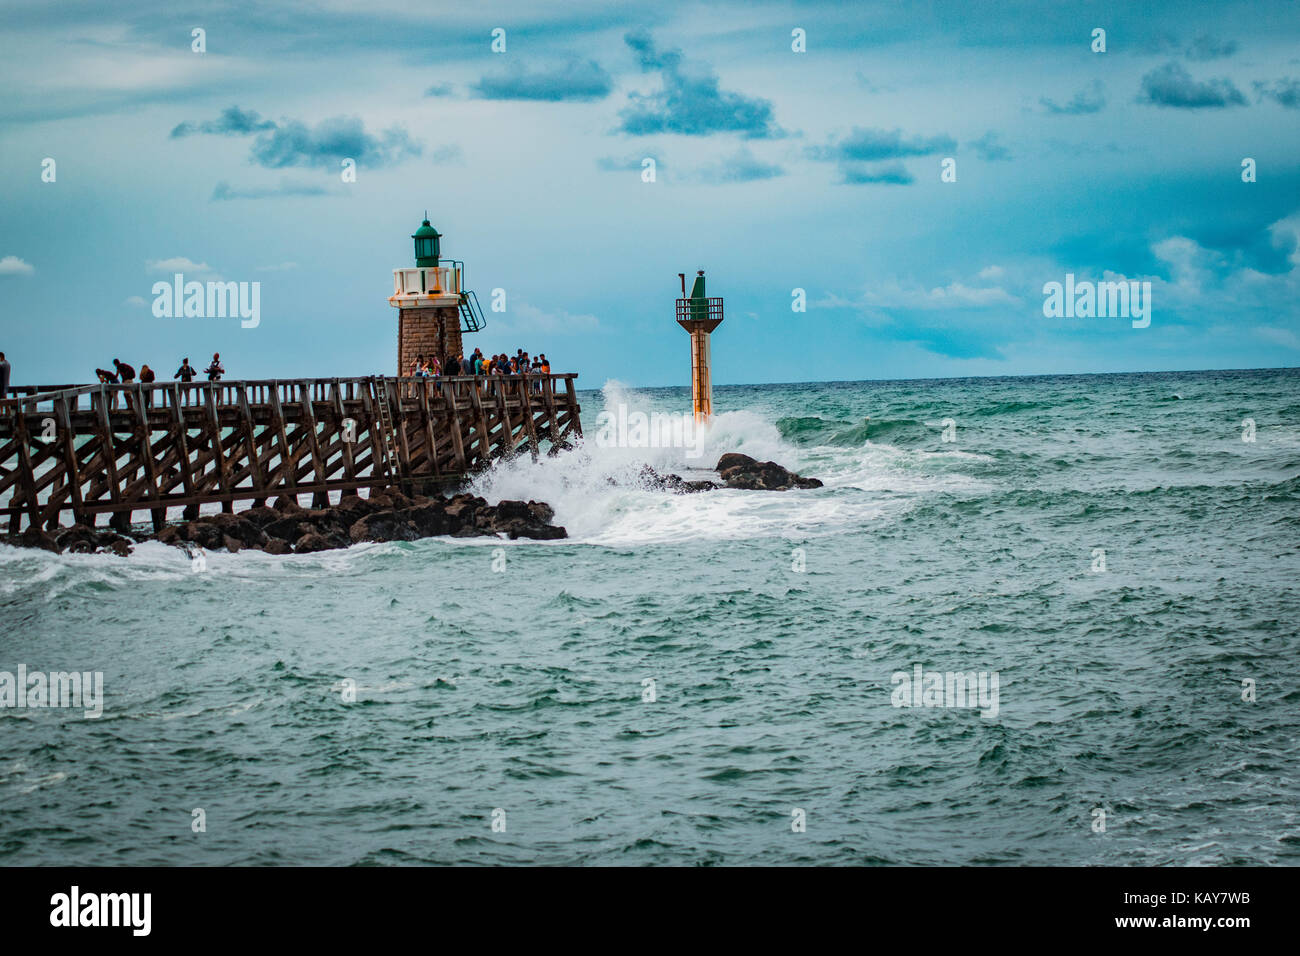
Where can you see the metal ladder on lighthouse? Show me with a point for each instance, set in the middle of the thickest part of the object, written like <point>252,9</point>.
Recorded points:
<point>389,440</point>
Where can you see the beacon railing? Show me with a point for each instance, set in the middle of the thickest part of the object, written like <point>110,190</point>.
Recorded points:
<point>428,280</point>
<point>697,309</point>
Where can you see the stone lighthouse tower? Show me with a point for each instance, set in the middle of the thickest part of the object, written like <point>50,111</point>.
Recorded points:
<point>434,308</point>
<point>699,316</point>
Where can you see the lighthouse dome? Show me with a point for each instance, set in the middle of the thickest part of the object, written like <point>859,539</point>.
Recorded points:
<point>427,244</point>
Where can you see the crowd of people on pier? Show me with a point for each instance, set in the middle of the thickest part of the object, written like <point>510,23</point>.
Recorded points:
<point>521,363</point>
<point>125,374</point>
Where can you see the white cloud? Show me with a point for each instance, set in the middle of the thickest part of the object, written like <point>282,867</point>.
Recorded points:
<point>528,319</point>
<point>992,272</point>
<point>1284,337</point>
<point>13,266</point>
<point>955,295</point>
<point>181,264</point>
<point>133,300</point>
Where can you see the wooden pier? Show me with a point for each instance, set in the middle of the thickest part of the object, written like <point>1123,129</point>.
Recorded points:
<point>117,449</point>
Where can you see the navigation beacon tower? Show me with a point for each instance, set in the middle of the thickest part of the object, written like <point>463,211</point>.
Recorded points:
<point>434,308</point>
<point>699,316</point>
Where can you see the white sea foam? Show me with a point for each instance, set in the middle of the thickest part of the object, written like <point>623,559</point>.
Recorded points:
<point>601,497</point>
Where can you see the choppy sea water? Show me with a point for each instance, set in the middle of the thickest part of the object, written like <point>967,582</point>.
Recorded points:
<point>521,690</point>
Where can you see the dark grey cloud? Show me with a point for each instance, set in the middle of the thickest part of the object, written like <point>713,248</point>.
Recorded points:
<point>575,80</point>
<point>225,191</point>
<point>1206,47</point>
<point>742,167</point>
<point>232,122</point>
<point>1285,92</point>
<point>691,101</point>
<point>294,143</point>
<point>871,145</point>
<point>989,149</point>
<point>890,174</point>
<point>1091,99</point>
<point>1171,85</point>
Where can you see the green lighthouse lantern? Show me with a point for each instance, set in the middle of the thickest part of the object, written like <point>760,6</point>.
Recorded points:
<point>426,244</point>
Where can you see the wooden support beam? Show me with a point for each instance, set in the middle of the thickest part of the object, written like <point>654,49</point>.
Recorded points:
<point>430,439</point>
<point>571,400</point>
<point>526,393</point>
<point>484,452</point>
<point>319,499</point>
<point>548,397</point>
<point>369,401</point>
<point>27,482</point>
<point>340,420</point>
<point>399,426</point>
<point>213,432</point>
<point>457,429</point>
<point>159,515</point>
<point>250,444</point>
<point>288,475</point>
<point>180,439</point>
<point>71,465</point>
<point>503,412</point>
<point>109,451</point>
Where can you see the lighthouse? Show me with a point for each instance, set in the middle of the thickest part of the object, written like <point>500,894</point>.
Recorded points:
<point>699,316</point>
<point>433,307</point>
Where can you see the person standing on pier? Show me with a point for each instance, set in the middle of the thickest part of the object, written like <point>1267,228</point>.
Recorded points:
<point>147,378</point>
<point>126,374</point>
<point>186,374</point>
<point>215,370</point>
<point>4,376</point>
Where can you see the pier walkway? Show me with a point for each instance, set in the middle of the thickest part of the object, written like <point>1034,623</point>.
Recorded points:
<point>116,449</point>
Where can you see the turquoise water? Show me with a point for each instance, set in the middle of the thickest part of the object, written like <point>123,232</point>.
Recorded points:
<point>494,675</point>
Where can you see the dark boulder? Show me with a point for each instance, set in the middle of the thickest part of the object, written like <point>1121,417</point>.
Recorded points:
<point>261,516</point>
<point>353,507</point>
<point>240,529</point>
<point>170,535</point>
<point>288,528</point>
<point>287,504</point>
<point>432,519</point>
<point>733,459</point>
<point>312,542</point>
<point>531,529</point>
<point>508,510</point>
<point>120,546</point>
<point>384,526</point>
<point>741,471</point>
<point>79,539</point>
<point>203,533</point>
<point>691,487</point>
<point>34,538</point>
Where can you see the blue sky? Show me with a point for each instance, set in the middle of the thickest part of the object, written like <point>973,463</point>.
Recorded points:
<point>775,170</point>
